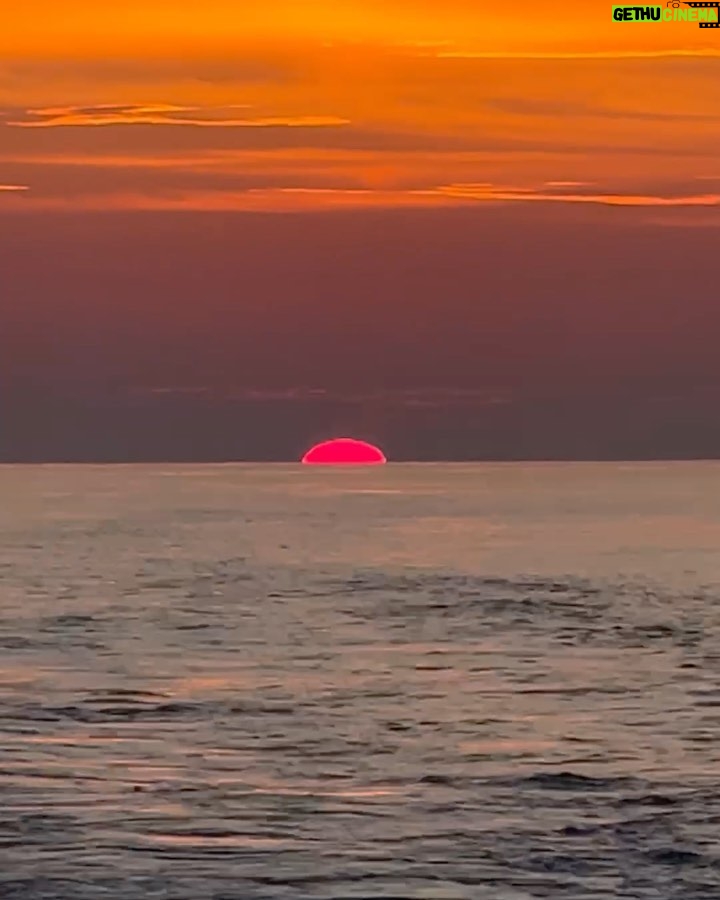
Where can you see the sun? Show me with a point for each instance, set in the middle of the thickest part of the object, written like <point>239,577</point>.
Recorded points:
<point>344,451</point>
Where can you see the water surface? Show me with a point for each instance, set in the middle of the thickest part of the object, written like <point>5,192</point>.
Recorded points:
<point>413,681</point>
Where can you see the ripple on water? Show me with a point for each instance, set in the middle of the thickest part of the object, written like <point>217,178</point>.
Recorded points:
<point>182,719</point>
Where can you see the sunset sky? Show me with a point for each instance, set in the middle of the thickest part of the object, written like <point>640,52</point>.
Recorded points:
<point>459,228</point>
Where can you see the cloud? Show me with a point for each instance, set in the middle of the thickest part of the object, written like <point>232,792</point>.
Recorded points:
<point>563,184</point>
<point>143,139</point>
<point>483,192</point>
<point>287,199</point>
<point>65,180</point>
<point>14,187</point>
<point>253,68</point>
<point>163,114</point>
<point>579,54</point>
<point>698,217</point>
<point>260,200</point>
<point>410,398</point>
<point>527,106</point>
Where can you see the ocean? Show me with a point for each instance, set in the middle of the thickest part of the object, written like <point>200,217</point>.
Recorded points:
<point>265,682</point>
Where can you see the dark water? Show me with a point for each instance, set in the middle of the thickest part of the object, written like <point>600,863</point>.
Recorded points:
<point>495,682</point>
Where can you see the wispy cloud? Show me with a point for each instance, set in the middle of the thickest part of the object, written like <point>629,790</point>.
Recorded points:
<point>309,199</point>
<point>552,109</point>
<point>163,114</point>
<point>462,193</point>
<point>564,184</point>
<point>255,66</point>
<point>708,217</point>
<point>482,192</point>
<point>14,187</point>
<point>422,397</point>
<point>290,190</point>
<point>579,54</point>
<point>260,200</point>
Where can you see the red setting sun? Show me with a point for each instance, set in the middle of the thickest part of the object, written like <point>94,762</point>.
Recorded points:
<point>344,451</point>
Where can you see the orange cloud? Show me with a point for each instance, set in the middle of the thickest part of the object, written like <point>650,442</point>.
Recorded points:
<point>303,199</point>
<point>164,114</point>
<point>371,102</point>
<point>707,218</point>
<point>485,192</point>
<point>668,52</point>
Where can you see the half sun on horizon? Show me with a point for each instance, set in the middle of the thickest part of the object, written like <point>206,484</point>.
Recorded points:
<point>344,451</point>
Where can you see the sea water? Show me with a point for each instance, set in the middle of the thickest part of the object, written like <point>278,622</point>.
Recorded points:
<point>409,681</point>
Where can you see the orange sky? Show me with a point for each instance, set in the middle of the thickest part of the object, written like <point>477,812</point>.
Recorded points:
<point>201,202</point>
<point>294,106</point>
